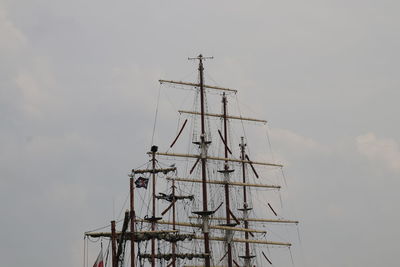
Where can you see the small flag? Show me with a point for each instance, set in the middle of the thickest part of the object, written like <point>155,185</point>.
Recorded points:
<point>142,182</point>
<point>99,261</point>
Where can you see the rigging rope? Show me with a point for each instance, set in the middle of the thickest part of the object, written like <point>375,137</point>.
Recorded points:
<point>241,121</point>
<point>291,256</point>
<point>87,253</point>
<point>155,116</point>
<point>123,206</point>
<point>84,250</point>
<point>103,227</point>
<point>108,251</point>
<point>269,143</point>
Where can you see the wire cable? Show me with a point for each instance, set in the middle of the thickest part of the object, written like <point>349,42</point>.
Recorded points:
<point>155,116</point>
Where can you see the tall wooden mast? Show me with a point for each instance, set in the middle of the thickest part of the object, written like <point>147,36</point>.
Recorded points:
<point>132,213</point>
<point>203,147</point>
<point>247,257</point>
<point>226,173</point>
<point>113,245</point>
<point>203,156</point>
<point>153,221</point>
<point>173,223</point>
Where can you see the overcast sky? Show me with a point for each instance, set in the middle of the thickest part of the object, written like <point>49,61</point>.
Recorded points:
<point>78,85</point>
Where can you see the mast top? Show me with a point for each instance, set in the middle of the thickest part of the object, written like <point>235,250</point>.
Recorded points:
<point>200,57</point>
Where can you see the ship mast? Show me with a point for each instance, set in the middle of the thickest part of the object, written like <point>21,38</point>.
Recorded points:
<point>173,223</point>
<point>226,173</point>
<point>113,245</point>
<point>132,207</point>
<point>153,221</point>
<point>247,257</point>
<point>203,156</point>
